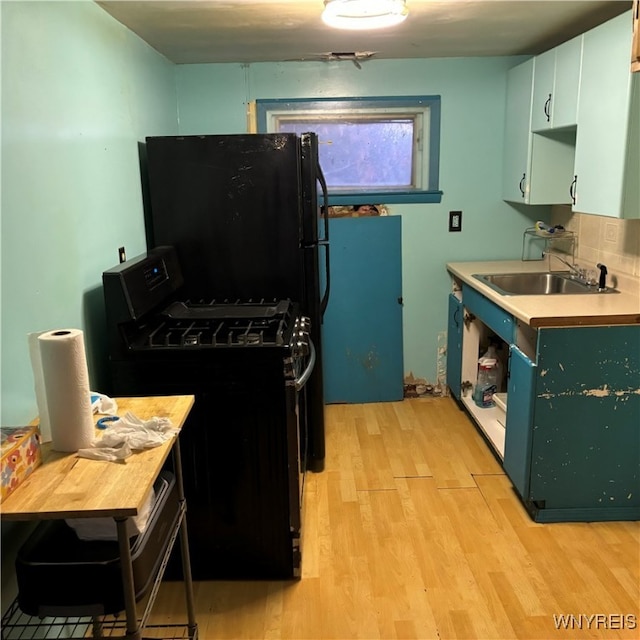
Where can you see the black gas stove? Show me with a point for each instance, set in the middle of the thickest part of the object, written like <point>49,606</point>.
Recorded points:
<point>244,443</point>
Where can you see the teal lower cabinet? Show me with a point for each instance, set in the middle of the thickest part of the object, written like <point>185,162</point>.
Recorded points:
<point>454,346</point>
<point>569,438</point>
<point>583,449</point>
<point>519,418</point>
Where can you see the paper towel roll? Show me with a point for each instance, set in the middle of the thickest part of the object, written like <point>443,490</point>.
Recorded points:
<point>38,377</point>
<point>66,383</point>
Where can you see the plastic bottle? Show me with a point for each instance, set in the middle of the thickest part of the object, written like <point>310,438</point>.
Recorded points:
<point>487,383</point>
<point>541,226</point>
<point>493,354</point>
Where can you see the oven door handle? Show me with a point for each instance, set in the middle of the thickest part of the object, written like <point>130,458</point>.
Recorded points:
<point>302,380</point>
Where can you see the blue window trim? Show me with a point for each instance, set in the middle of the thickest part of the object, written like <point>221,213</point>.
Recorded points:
<point>384,197</point>
<point>339,197</point>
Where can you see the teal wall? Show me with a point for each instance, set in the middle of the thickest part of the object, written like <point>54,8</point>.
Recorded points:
<point>78,93</point>
<point>214,98</point>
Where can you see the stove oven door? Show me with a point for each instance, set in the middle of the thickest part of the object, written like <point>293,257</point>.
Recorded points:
<point>243,466</point>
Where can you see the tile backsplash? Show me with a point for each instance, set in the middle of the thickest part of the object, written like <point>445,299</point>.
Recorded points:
<point>612,241</point>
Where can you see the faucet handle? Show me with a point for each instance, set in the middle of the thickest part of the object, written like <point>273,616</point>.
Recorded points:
<point>590,277</point>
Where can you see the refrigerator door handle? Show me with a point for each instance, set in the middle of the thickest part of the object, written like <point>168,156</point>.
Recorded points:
<point>325,241</point>
<point>325,298</point>
<point>325,202</point>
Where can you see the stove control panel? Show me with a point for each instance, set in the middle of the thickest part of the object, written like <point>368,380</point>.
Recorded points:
<point>155,273</point>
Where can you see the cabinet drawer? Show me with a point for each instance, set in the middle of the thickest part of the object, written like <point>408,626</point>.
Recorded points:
<point>497,319</point>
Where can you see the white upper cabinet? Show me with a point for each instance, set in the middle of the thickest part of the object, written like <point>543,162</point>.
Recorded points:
<point>538,169</point>
<point>545,73</point>
<point>517,138</point>
<point>555,86</point>
<point>608,132</point>
<point>572,125</point>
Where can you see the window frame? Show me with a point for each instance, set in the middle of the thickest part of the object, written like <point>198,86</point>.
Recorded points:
<point>266,108</point>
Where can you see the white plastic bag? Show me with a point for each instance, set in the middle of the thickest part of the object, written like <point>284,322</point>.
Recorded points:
<point>103,404</point>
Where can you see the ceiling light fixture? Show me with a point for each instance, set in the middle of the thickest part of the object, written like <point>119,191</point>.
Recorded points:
<point>364,14</point>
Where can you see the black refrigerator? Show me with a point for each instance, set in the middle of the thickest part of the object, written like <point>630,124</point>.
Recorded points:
<point>244,215</point>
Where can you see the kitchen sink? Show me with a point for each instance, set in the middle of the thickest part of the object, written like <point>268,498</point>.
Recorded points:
<point>536,284</point>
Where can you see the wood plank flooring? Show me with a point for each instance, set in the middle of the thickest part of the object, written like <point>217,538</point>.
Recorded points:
<point>413,531</point>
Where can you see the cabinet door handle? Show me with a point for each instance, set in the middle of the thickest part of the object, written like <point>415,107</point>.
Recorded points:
<point>456,317</point>
<point>572,189</point>
<point>547,108</point>
<point>521,186</point>
<point>468,319</point>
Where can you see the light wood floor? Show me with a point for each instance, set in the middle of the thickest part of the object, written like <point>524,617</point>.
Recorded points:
<point>413,531</point>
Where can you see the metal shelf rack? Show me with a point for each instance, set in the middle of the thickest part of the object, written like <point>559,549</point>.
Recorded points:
<point>17,625</point>
<point>536,243</point>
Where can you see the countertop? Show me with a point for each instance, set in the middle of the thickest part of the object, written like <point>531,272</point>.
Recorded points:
<point>66,486</point>
<point>561,310</point>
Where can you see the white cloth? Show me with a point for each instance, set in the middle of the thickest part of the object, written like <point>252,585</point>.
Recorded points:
<point>129,434</point>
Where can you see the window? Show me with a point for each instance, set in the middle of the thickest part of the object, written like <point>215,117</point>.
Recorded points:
<point>371,149</point>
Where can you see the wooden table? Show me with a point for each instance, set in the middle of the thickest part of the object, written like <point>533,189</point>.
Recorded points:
<point>66,486</point>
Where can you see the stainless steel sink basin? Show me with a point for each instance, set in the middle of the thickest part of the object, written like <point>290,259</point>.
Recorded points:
<point>536,284</point>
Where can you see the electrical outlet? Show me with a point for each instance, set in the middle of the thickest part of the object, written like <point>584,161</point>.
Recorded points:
<point>455,220</point>
<point>122,255</point>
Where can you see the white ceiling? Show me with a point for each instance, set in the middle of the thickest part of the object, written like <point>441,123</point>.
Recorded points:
<point>245,31</point>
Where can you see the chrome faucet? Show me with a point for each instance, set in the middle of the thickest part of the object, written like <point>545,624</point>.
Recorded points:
<point>584,276</point>
<point>576,272</point>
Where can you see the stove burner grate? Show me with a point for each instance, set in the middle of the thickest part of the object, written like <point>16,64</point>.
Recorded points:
<point>209,325</point>
<point>250,337</point>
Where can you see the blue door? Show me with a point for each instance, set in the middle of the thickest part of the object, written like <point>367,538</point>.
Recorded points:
<point>362,329</point>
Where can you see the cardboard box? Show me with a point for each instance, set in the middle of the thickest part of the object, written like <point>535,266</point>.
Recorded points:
<point>21,455</point>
